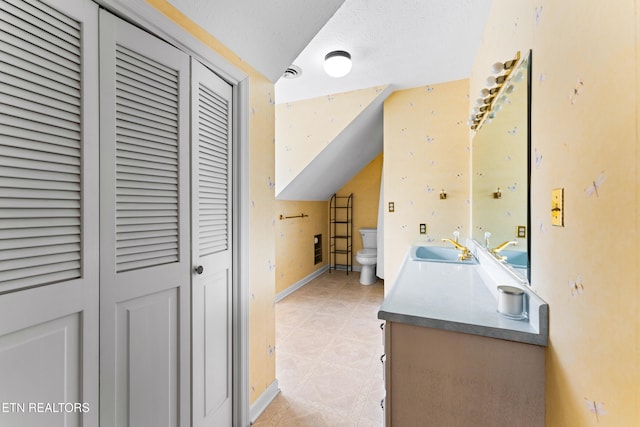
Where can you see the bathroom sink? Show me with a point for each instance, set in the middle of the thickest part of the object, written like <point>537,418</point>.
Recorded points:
<point>518,259</point>
<point>439,254</point>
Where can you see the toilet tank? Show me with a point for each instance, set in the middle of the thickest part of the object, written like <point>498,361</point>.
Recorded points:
<point>369,240</point>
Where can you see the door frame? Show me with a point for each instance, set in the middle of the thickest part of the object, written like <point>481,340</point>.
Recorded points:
<point>150,19</point>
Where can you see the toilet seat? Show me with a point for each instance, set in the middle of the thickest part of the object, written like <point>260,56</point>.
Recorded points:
<point>367,253</point>
<point>367,257</point>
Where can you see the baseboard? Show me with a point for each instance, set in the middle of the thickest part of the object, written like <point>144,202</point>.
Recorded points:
<point>263,401</point>
<point>300,283</point>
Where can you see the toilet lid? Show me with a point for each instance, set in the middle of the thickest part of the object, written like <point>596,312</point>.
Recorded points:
<point>367,253</point>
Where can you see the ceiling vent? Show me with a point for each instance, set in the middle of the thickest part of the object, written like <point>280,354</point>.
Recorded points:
<point>292,72</point>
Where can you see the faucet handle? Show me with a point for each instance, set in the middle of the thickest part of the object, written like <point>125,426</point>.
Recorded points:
<point>503,245</point>
<point>464,251</point>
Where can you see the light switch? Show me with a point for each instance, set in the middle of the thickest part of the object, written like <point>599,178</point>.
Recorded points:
<point>557,207</point>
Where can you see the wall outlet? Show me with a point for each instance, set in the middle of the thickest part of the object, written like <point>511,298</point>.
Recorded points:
<point>522,231</point>
<point>392,207</point>
<point>423,228</point>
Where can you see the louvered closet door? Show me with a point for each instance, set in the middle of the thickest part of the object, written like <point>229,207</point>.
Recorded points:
<point>212,248</point>
<point>144,229</point>
<point>48,213</point>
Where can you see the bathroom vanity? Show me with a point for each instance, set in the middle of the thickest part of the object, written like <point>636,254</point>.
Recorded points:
<point>450,357</point>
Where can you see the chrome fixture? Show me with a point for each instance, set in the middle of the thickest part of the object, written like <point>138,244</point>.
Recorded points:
<point>487,234</point>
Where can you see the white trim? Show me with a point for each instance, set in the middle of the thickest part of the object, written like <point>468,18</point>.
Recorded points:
<point>300,283</point>
<point>264,400</point>
<point>144,15</point>
<point>241,256</point>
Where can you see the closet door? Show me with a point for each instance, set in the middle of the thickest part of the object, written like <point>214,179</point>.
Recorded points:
<point>144,229</point>
<point>212,312</point>
<point>48,213</point>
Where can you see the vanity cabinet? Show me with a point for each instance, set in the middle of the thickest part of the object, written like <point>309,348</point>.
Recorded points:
<point>437,377</point>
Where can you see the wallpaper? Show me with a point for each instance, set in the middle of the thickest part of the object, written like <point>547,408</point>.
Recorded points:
<point>305,128</point>
<point>584,139</point>
<point>426,152</point>
<point>295,259</point>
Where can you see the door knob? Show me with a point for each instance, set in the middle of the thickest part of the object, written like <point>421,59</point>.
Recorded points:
<point>199,269</point>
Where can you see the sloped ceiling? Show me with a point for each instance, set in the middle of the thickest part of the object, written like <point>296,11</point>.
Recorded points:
<point>268,34</point>
<point>404,43</point>
<point>401,43</point>
<point>352,149</point>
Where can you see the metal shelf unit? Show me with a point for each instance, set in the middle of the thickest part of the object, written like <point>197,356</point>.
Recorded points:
<point>341,233</point>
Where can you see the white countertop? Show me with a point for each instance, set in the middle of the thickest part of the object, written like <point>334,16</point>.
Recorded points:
<point>457,297</point>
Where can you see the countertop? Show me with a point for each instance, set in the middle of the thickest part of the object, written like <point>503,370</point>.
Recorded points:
<point>457,297</point>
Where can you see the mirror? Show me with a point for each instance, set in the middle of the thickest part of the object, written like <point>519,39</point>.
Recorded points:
<point>501,169</point>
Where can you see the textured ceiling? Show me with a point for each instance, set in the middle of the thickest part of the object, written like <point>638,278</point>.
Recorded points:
<point>404,43</point>
<point>268,34</point>
<point>400,43</point>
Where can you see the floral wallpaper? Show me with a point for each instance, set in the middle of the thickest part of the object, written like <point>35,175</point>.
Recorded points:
<point>295,241</point>
<point>426,152</point>
<point>584,140</point>
<point>305,128</point>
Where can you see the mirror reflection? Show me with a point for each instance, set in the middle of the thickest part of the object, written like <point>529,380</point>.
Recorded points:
<point>500,165</point>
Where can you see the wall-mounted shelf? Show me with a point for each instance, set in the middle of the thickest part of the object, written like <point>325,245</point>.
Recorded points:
<point>341,233</point>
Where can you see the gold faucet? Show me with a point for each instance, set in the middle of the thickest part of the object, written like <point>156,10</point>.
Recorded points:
<point>496,251</point>
<point>465,253</point>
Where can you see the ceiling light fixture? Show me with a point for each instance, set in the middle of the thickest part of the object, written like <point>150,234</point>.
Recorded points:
<point>337,63</point>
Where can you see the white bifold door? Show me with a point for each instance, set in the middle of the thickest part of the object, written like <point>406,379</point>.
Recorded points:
<point>115,225</point>
<point>48,213</point>
<point>145,256</point>
<point>212,248</point>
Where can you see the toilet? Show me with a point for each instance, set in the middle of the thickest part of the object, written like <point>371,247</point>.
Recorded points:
<point>368,256</point>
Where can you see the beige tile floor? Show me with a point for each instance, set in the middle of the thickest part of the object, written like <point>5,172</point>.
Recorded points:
<point>328,348</point>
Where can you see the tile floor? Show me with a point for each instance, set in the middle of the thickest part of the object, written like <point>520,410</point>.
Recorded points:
<point>328,348</point>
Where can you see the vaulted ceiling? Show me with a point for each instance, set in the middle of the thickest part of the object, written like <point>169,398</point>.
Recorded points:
<point>404,43</point>
<point>401,43</point>
<point>268,34</point>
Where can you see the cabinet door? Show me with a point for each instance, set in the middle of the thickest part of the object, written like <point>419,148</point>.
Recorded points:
<point>48,213</point>
<point>144,229</point>
<point>444,378</point>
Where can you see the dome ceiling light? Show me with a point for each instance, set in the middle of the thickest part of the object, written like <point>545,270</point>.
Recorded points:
<point>337,63</point>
